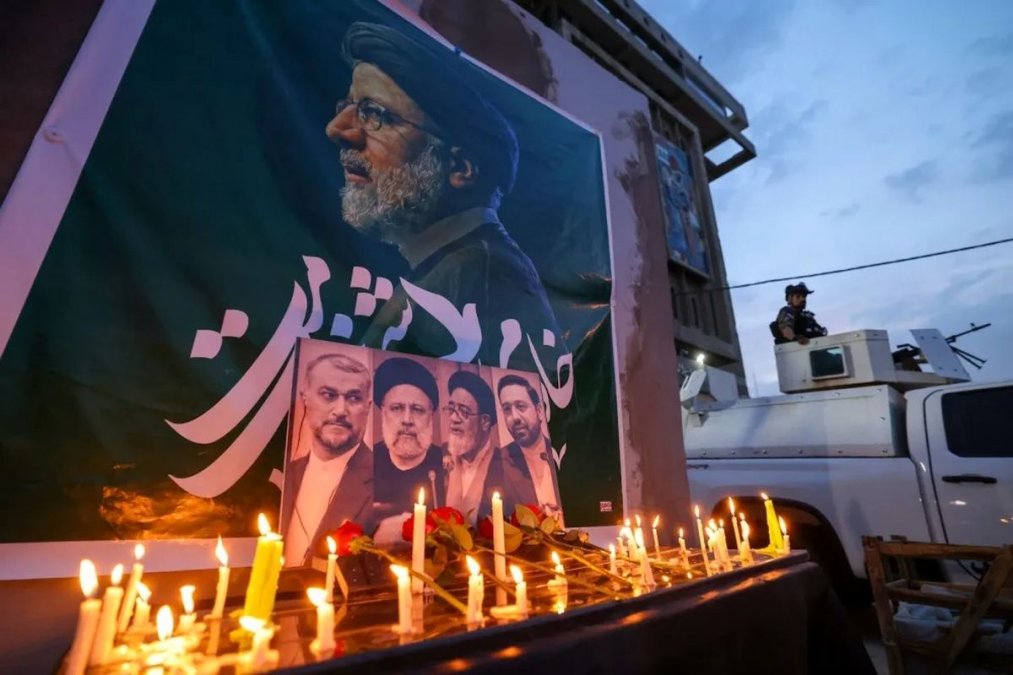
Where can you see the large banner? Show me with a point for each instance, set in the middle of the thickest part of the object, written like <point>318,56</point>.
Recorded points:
<point>686,243</point>
<point>271,172</point>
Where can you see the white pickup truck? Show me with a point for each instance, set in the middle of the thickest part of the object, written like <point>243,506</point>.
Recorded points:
<point>863,442</point>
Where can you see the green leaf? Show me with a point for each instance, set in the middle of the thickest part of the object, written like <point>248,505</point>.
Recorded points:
<point>525,516</point>
<point>462,536</point>
<point>549,525</point>
<point>512,537</point>
<point>435,564</point>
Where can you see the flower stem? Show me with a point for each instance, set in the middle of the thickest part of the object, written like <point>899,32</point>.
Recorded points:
<point>546,568</point>
<point>600,570</point>
<point>439,590</point>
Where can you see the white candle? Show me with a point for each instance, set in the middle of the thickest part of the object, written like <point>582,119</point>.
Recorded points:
<point>106,631</point>
<point>187,619</point>
<point>324,641</point>
<point>259,650</point>
<point>784,533</point>
<point>419,541</point>
<point>87,621</point>
<point>498,539</point>
<point>723,543</point>
<point>612,559</point>
<point>703,542</point>
<point>745,554</point>
<point>404,599</point>
<point>332,563</point>
<point>142,610</point>
<point>222,591</point>
<point>654,529</point>
<point>638,533</point>
<point>735,525</point>
<point>521,589</point>
<point>645,566</point>
<point>163,622</point>
<point>476,591</point>
<point>128,601</point>
<point>682,548</point>
<point>560,571</point>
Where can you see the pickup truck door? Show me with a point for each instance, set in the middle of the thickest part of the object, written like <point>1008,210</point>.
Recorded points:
<point>969,431</point>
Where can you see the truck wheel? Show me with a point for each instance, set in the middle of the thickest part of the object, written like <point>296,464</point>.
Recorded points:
<point>825,550</point>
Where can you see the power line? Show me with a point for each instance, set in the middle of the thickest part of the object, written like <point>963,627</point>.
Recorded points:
<point>850,269</point>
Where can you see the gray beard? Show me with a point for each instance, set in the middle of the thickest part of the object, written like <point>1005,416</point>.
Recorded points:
<point>398,202</point>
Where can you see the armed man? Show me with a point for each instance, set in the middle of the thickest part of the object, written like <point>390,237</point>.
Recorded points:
<point>794,322</point>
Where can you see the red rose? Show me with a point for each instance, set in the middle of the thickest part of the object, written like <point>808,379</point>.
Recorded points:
<point>408,527</point>
<point>534,508</point>
<point>447,514</point>
<point>485,527</point>
<point>344,535</point>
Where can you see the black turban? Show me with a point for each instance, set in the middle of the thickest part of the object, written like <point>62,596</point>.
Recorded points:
<point>399,370</point>
<point>477,387</point>
<point>433,76</point>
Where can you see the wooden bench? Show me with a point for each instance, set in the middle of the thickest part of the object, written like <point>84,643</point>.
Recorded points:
<point>894,580</point>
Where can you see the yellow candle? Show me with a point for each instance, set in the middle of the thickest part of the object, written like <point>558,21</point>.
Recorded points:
<point>324,642</point>
<point>784,531</point>
<point>521,589</point>
<point>106,631</point>
<point>404,599</point>
<point>263,584</point>
<point>776,540</point>
<point>654,529</point>
<point>735,524</point>
<point>498,538</point>
<point>703,542</point>
<point>87,621</point>
<point>419,541</point>
<point>476,591</point>
<point>187,618</point>
<point>332,563</point>
<point>135,578</point>
<point>222,591</point>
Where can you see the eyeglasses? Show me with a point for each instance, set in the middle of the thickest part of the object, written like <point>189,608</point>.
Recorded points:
<point>373,116</point>
<point>464,411</point>
<point>414,409</point>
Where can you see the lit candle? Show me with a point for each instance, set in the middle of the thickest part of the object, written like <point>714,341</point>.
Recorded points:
<point>703,542</point>
<point>745,554</point>
<point>612,559</point>
<point>128,601</point>
<point>723,542</point>
<point>263,584</point>
<point>735,525</point>
<point>622,545</point>
<point>476,592</point>
<point>142,610</point>
<point>163,622</point>
<point>187,618</point>
<point>645,566</point>
<point>682,548</point>
<point>654,529</point>
<point>87,621</point>
<point>784,531</point>
<point>103,642</point>
<point>498,539</point>
<point>332,563</point>
<point>558,566</point>
<point>419,541</point>
<point>638,533</point>
<point>259,650</point>
<point>521,589</point>
<point>404,599</point>
<point>324,642</point>
<point>223,580</point>
<point>776,540</point>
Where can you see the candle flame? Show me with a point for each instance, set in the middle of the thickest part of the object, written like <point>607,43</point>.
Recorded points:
<point>263,525</point>
<point>721,523</point>
<point>221,553</point>
<point>517,574</point>
<point>742,516</point>
<point>555,559</point>
<point>400,571</point>
<point>731,505</point>
<point>332,545</point>
<point>89,579</point>
<point>317,596</point>
<point>627,522</point>
<point>764,496</point>
<point>164,622</point>
<point>696,510</point>
<point>637,516</point>
<point>745,530</point>
<point>612,550</point>
<point>422,496</point>
<point>680,533</point>
<point>784,526</point>
<point>473,566</point>
<point>251,623</point>
<point>495,496</point>
<point>640,538</point>
<point>143,591</point>
<point>712,524</point>
<point>117,576</point>
<point>657,519</point>
<point>138,552</point>
<point>186,592</point>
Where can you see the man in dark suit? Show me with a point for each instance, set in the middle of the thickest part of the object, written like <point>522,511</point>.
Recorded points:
<point>334,480</point>
<point>470,416</point>
<point>406,460</point>
<point>527,464</point>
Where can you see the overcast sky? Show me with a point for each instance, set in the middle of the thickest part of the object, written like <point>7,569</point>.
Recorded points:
<point>883,130</point>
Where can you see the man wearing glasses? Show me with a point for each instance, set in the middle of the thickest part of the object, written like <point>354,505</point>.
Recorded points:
<point>427,160</point>
<point>470,416</point>
<point>406,460</point>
